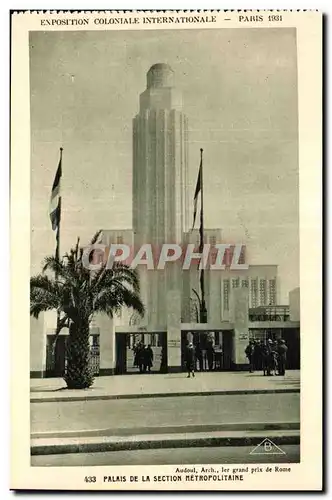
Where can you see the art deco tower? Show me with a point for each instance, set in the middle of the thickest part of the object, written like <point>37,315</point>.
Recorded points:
<point>160,164</point>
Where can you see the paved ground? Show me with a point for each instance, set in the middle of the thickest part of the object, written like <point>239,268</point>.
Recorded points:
<point>156,360</point>
<point>218,455</point>
<point>165,384</point>
<point>182,439</point>
<point>159,412</point>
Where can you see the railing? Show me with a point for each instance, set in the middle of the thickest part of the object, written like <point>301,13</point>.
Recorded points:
<point>267,317</point>
<point>57,367</point>
<point>95,359</point>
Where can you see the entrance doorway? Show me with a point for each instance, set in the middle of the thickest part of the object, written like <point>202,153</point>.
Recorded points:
<point>213,349</point>
<point>290,335</point>
<point>292,339</point>
<point>141,353</point>
<point>56,356</point>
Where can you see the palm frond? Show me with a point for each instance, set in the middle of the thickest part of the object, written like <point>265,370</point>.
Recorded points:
<point>79,293</point>
<point>95,237</point>
<point>119,273</point>
<point>51,263</point>
<point>45,294</point>
<point>42,282</point>
<point>77,248</point>
<point>112,299</point>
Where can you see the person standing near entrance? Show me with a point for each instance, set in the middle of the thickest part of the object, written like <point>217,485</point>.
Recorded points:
<point>249,350</point>
<point>163,360</point>
<point>190,359</point>
<point>210,355</point>
<point>149,357</point>
<point>199,357</point>
<point>138,354</point>
<point>282,354</point>
<point>141,358</point>
<point>136,350</point>
<point>257,364</point>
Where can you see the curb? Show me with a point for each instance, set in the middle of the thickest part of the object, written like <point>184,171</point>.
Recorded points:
<point>61,399</point>
<point>107,445</point>
<point>175,429</point>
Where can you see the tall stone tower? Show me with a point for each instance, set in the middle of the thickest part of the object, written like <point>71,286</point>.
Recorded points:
<point>160,170</point>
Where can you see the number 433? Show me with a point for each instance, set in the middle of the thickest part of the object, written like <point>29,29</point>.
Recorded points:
<point>90,479</point>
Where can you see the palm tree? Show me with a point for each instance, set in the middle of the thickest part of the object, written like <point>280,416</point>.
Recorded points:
<point>77,293</point>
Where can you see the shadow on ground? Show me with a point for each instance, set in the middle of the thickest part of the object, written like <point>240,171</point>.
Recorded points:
<point>45,389</point>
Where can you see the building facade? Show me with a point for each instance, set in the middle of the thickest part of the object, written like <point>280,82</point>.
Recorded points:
<point>171,296</point>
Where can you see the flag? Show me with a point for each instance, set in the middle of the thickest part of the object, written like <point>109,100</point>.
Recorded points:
<point>197,191</point>
<point>55,201</point>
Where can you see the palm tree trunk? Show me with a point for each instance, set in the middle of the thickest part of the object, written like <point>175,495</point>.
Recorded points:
<point>78,372</point>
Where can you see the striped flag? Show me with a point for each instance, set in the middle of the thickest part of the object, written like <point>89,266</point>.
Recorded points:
<point>55,201</point>
<point>197,191</point>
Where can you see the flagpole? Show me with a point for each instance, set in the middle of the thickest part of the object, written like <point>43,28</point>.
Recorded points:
<point>57,249</point>
<point>203,312</point>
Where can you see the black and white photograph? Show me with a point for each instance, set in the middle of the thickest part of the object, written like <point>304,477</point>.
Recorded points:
<point>165,282</point>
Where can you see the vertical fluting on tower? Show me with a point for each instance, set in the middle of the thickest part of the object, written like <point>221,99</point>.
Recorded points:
<point>160,171</point>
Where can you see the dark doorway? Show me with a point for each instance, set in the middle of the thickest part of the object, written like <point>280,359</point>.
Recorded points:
<point>227,349</point>
<point>56,356</point>
<point>291,337</point>
<point>213,350</point>
<point>141,353</point>
<point>120,353</point>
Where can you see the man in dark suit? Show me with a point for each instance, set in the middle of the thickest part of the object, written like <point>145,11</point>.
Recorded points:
<point>282,354</point>
<point>190,359</point>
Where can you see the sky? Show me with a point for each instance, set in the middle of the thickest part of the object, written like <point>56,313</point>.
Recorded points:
<point>240,96</point>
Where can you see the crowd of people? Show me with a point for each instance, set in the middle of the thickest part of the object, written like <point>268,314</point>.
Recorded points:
<point>143,357</point>
<point>269,357</point>
<point>194,355</point>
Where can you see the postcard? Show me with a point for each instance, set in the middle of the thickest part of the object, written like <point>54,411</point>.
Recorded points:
<point>166,191</point>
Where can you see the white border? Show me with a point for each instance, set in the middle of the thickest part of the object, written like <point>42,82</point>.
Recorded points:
<point>326,6</point>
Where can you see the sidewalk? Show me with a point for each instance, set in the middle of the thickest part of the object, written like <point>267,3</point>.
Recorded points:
<point>165,385</point>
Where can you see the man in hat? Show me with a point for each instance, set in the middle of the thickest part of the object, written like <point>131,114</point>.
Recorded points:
<point>190,359</point>
<point>256,356</point>
<point>282,353</point>
<point>265,358</point>
<point>249,351</point>
<point>270,358</point>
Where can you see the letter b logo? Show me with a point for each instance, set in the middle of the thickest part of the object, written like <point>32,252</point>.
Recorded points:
<point>267,446</point>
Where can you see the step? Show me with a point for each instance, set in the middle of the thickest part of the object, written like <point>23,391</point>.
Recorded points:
<point>92,444</point>
<point>90,396</point>
<point>175,429</point>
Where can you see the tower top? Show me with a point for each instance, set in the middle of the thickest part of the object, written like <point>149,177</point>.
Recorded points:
<point>160,75</point>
